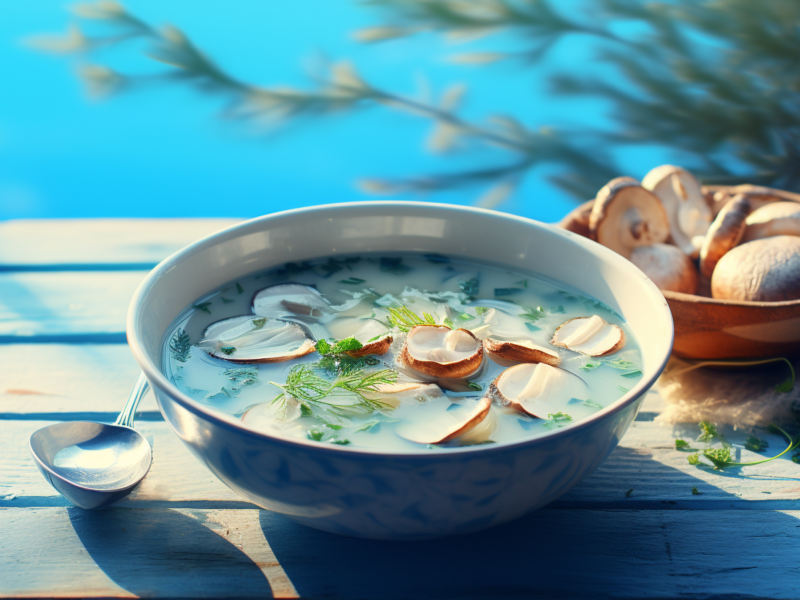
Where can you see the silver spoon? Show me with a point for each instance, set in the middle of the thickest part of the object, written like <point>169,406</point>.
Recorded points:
<point>95,464</point>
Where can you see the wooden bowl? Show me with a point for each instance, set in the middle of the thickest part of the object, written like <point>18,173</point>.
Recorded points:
<point>708,328</point>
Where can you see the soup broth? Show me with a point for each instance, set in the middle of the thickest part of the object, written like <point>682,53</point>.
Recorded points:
<point>401,353</point>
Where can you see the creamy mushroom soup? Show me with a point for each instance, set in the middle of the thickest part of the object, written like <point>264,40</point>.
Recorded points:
<point>401,352</point>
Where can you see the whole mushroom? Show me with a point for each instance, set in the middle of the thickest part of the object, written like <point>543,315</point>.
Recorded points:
<point>667,266</point>
<point>776,218</point>
<point>766,270</point>
<point>688,212</point>
<point>577,221</point>
<point>626,216</point>
<point>725,233</point>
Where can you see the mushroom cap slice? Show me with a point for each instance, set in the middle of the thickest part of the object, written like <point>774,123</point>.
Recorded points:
<point>667,266</point>
<point>765,270</point>
<point>725,233</point>
<point>249,339</point>
<point>289,299</point>
<point>686,206</point>
<point>593,336</point>
<point>445,426</point>
<point>577,220</point>
<point>520,350</point>
<point>776,218</point>
<point>374,336</point>
<point>625,215</point>
<point>395,394</point>
<point>439,351</point>
<point>529,388</point>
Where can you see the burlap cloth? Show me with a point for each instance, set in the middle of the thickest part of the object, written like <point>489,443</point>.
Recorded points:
<point>741,397</point>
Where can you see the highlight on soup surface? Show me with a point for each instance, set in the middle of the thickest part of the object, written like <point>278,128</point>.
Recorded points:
<point>397,353</point>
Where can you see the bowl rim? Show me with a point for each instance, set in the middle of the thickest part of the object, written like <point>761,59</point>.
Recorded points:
<point>696,299</point>
<point>158,380</point>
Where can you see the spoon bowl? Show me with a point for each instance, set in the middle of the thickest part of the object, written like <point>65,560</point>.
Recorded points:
<point>94,464</point>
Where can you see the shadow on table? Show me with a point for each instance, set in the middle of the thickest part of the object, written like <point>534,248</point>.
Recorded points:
<point>165,552</point>
<point>564,551</point>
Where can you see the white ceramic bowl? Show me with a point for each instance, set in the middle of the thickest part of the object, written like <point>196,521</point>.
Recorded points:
<point>396,495</point>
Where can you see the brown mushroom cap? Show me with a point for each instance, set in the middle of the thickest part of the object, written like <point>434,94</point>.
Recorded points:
<point>577,221</point>
<point>685,204</point>
<point>520,351</point>
<point>625,215</point>
<point>757,194</point>
<point>446,426</point>
<point>667,266</point>
<point>765,270</point>
<point>593,336</point>
<point>776,218</point>
<point>725,232</point>
<point>438,351</point>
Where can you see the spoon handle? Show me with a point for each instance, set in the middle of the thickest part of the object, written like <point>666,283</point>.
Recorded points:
<point>128,413</point>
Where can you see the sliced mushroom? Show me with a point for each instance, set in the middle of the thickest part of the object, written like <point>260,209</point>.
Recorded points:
<point>499,321</point>
<point>438,351</point>
<point>725,232</point>
<point>577,220</point>
<point>373,335</point>
<point>531,388</point>
<point>757,194</point>
<point>776,218</point>
<point>395,394</point>
<point>287,299</point>
<point>446,426</point>
<point>520,350</point>
<point>667,266</point>
<point>765,270</point>
<point>249,339</point>
<point>688,212</point>
<point>625,215</point>
<point>593,336</point>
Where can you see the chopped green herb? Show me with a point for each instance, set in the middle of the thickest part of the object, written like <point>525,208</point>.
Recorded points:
<point>632,374</point>
<point>628,493</point>
<point>305,410</point>
<point>351,281</point>
<point>755,444</point>
<point>720,457</point>
<point>437,258</point>
<point>682,445</point>
<point>589,366</point>
<point>242,376</point>
<point>315,434</point>
<point>203,306</point>
<point>323,347</point>
<point>481,443</point>
<point>567,295</point>
<point>228,350</point>
<point>709,433</point>
<point>623,389</point>
<point>532,327</point>
<point>449,323</point>
<point>343,442</point>
<point>620,364</point>
<point>694,458</point>
<point>499,292</point>
<point>394,266</point>
<point>239,288</point>
<point>225,300</point>
<point>533,314</point>
<point>368,425</point>
<point>259,323</point>
<point>695,491</point>
<point>179,345</point>
<point>405,319</point>
<point>481,309</point>
<point>377,337</point>
<point>465,316</point>
<point>559,417</point>
<point>592,404</point>
<point>522,282</point>
<point>470,287</point>
<point>558,309</point>
<point>474,386</point>
<point>350,344</point>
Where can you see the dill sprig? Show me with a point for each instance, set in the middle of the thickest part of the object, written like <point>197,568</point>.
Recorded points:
<point>179,345</point>
<point>722,457</point>
<point>405,319</point>
<point>311,389</point>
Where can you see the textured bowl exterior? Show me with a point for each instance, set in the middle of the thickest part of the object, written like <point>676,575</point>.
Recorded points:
<point>414,495</point>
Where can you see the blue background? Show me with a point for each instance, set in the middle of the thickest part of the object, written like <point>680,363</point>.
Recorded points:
<point>165,150</point>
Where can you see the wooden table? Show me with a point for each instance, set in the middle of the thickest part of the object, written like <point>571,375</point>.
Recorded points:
<point>64,292</point>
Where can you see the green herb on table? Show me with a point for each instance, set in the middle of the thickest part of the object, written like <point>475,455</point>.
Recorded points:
<point>405,319</point>
<point>682,445</point>
<point>721,458</point>
<point>203,306</point>
<point>628,493</point>
<point>179,346</point>
<point>695,491</point>
<point>352,281</point>
<point>709,433</point>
